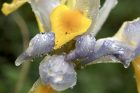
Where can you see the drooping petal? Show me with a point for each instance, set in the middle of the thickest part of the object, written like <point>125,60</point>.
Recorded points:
<point>43,10</point>
<point>84,47</point>
<point>130,33</point>
<point>40,45</point>
<point>124,45</point>
<point>67,24</point>
<point>118,49</point>
<point>57,72</point>
<point>109,46</point>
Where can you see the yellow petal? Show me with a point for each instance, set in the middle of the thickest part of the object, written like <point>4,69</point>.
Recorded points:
<point>9,8</point>
<point>67,24</point>
<point>136,65</point>
<point>44,89</point>
<point>38,87</point>
<point>41,28</point>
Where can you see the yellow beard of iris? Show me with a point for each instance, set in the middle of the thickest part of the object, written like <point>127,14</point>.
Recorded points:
<point>67,24</point>
<point>44,89</point>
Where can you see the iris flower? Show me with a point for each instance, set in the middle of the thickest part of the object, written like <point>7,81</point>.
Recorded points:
<point>61,21</point>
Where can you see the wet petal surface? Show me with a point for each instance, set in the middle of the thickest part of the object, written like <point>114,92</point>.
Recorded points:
<point>84,47</point>
<point>40,45</point>
<point>57,72</point>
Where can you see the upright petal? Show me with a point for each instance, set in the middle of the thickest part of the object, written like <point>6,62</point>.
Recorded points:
<point>103,15</point>
<point>88,7</point>
<point>43,9</point>
<point>69,3</point>
<point>67,24</point>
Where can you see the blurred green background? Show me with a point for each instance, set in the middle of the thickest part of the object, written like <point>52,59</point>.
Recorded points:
<point>99,78</point>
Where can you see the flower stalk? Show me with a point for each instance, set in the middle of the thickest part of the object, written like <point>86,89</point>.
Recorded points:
<point>25,36</point>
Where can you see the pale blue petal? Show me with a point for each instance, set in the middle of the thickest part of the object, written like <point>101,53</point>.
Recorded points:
<point>84,47</point>
<point>57,72</point>
<point>40,45</point>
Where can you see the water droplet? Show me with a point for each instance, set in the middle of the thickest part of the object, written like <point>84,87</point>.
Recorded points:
<point>126,65</point>
<point>17,63</point>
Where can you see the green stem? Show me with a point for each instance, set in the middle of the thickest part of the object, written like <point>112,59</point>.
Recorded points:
<point>25,36</point>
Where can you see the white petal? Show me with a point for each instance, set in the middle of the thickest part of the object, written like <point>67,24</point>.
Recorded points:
<point>130,33</point>
<point>103,14</point>
<point>91,7</point>
<point>43,9</point>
